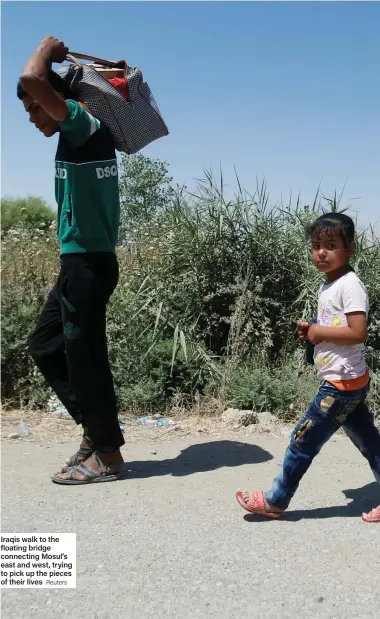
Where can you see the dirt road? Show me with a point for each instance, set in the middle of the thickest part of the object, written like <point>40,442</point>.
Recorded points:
<point>170,541</point>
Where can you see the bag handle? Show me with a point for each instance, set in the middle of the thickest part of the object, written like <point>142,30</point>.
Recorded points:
<point>73,56</point>
<point>92,59</point>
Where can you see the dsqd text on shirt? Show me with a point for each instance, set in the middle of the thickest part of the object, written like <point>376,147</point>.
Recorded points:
<point>106,172</point>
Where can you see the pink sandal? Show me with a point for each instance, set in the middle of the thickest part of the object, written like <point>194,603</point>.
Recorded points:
<point>372,516</point>
<point>255,503</point>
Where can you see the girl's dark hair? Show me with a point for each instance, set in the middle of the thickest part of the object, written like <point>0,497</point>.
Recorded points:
<point>57,82</point>
<point>338,222</point>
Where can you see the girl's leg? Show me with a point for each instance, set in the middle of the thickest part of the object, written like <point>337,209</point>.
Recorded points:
<point>360,428</point>
<point>323,418</point>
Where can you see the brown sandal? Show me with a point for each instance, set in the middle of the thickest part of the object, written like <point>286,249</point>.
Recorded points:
<point>105,472</point>
<point>83,453</point>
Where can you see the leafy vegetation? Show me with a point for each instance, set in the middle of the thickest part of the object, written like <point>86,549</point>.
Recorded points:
<point>206,307</point>
<point>32,212</point>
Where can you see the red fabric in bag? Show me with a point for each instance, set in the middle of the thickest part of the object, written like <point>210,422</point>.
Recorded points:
<point>121,85</point>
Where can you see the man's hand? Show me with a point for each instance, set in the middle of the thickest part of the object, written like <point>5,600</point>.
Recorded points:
<point>35,80</point>
<point>57,49</point>
<point>302,330</point>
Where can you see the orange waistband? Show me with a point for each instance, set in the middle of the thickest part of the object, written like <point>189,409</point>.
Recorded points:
<point>353,384</point>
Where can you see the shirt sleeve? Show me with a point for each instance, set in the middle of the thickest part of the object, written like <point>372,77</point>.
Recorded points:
<point>355,297</point>
<point>79,125</point>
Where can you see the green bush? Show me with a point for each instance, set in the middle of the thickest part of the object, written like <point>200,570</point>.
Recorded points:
<point>285,390</point>
<point>29,268</point>
<point>210,291</point>
<point>31,212</point>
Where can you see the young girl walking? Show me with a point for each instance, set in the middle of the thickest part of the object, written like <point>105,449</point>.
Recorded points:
<point>338,336</point>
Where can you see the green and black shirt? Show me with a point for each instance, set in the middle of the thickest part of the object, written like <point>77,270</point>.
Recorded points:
<point>86,184</point>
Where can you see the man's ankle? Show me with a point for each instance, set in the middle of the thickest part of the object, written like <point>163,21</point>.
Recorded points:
<point>109,455</point>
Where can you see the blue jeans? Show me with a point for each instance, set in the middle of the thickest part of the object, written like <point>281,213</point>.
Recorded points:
<point>330,410</point>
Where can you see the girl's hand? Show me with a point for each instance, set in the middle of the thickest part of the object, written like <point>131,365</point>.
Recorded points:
<point>313,334</point>
<point>302,330</point>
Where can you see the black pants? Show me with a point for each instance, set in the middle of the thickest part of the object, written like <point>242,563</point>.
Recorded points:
<point>69,345</point>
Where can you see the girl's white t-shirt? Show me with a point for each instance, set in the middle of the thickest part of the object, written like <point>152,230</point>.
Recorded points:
<point>336,299</point>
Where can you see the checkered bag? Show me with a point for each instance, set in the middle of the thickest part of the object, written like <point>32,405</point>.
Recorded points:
<point>117,95</point>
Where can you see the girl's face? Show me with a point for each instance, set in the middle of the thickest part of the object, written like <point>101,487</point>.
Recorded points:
<point>330,254</point>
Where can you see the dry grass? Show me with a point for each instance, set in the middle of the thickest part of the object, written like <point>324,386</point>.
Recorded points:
<point>47,428</point>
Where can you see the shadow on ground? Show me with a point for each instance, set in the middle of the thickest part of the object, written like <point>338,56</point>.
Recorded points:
<point>199,459</point>
<point>363,500</point>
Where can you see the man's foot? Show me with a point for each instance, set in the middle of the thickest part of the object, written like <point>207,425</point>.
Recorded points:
<point>255,502</point>
<point>98,465</point>
<point>85,450</point>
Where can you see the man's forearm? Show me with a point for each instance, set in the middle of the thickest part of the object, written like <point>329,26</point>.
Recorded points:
<point>39,63</point>
<point>35,78</point>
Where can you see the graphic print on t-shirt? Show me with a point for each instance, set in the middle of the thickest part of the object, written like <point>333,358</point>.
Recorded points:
<point>337,299</point>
